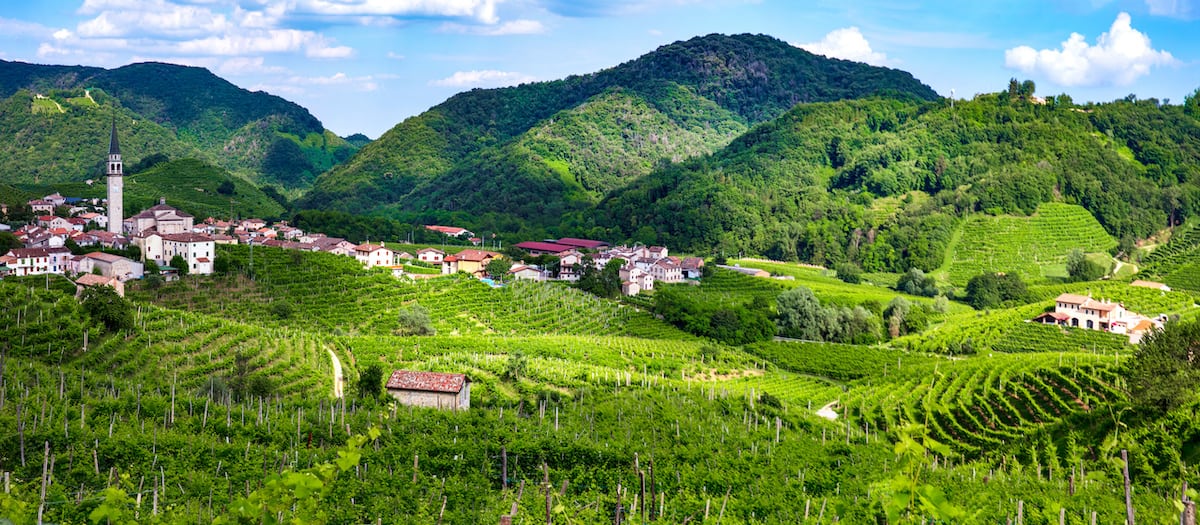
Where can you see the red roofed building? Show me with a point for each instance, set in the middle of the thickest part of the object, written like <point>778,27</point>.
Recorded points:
<point>543,248</point>
<point>585,244</point>
<point>452,231</point>
<point>468,261</point>
<point>430,389</point>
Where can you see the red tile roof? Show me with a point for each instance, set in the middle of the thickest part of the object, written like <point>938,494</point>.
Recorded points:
<point>186,237</point>
<point>427,381</point>
<point>582,243</point>
<point>536,246</point>
<point>475,255</point>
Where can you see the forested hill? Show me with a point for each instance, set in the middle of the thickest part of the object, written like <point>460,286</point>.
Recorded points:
<point>260,136</point>
<point>884,183</point>
<point>568,141</point>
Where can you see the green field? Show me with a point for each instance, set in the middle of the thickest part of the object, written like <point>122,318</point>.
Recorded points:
<point>218,396</point>
<point>1036,247</point>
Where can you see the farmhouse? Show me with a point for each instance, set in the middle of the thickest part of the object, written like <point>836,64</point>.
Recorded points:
<point>1091,314</point>
<point>430,389</point>
<point>468,261</point>
<point>373,255</point>
<point>109,265</point>
<point>431,255</point>
<point>41,206</point>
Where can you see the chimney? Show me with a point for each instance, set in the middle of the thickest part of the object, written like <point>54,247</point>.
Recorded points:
<point>162,200</point>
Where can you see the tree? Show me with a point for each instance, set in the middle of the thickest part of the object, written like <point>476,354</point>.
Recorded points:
<point>915,282</point>
<point>498,268</point>
<point>1080,268</point>
<point>1165,370</point>
<point>180,264</point>
<point>8,242</point>
<point>849,272</point>
<point>799,314</point>
<point>105,306</point>
<point>370,381</point>
<point>225,187</point>
<point>604,282</point>
<point>281,309</point>
<point>516,367</point>
<point>989,290</point>
<point>414,320</point>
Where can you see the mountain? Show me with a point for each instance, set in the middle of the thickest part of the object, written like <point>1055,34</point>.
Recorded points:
<point>885,184</point>
<point>565,143</point>
<point>206,116</point>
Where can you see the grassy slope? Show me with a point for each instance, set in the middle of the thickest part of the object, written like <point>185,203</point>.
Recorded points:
<point>1035,247</point>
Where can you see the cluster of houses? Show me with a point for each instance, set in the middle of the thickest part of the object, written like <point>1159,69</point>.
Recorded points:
<point>642,267</point>
<point>1082,311</point>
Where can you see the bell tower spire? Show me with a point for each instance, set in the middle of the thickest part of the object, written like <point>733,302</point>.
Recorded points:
<point>116,182</point>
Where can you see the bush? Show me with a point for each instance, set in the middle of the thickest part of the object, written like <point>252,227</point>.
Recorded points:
<point>849,272</point>
<point>105,306</point>
<point>1080,268</point>
<point>915,282</point>
<point>414,320</point>
<point>370,381</point>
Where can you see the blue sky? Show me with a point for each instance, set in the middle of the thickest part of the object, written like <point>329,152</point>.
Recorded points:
<point>365,65</point>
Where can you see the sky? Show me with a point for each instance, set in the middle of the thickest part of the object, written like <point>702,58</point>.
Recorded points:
<point>363,66</point>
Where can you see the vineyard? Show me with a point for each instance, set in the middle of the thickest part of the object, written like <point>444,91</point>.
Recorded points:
<point>1030,246</point>
<point>581,401</point>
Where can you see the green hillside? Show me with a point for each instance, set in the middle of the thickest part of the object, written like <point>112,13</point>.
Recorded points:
<point>1034,246</point>
<point>586,392</point>
<point>258,136</point>
<point>190,185</point>
<point>807,186</point>
<point>709,86</point>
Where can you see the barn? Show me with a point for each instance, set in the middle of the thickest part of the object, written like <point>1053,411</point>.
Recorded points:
<point>430,389</point>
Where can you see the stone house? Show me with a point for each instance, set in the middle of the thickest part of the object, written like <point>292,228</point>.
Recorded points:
<point>430,389</point>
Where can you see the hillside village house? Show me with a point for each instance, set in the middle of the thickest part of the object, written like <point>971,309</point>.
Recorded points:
<point>544,248</point>
<point>430,389</point>
<point>582,244</point>
<point>468,261</point>
<point>38,261</point>
<point>161,218</point>
<point>41,206</point>
<point>88,280</point>
<point>374,255</point>
<point>1084,312</point>
<point>109,265</point>
<point>52,221</point>
<point>431,255</point>
<point>526,273</point>
<point>198,250</point>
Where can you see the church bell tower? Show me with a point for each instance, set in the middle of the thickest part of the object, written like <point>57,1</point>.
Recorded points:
<point>116,183</point>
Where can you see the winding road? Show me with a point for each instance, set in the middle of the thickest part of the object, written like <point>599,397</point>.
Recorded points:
<point>339,381</point>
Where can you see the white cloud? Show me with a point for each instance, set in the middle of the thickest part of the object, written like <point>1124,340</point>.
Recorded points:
<point>247,66</point>
<point>482,10</point>
<point>848,44</point>
<point>514,27</point>
<point>1185,9</point>
<point>20,28</point>
<point>1119,57</point>
<point>483,78</point>
<point>395,56</point>
<point>156,18</point>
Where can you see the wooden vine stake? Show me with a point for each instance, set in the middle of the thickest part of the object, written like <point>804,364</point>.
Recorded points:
<point>1128,488</point>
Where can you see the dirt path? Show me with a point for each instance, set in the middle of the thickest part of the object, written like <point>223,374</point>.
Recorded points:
<point>339,381</point>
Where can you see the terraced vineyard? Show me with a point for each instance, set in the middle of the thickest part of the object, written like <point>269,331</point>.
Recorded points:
<point>1026,245</point>
<point>333,294</point>
<point>983,404</point>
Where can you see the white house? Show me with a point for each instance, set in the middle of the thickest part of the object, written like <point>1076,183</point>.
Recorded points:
<point>373,255</point>
<point>41,206</point>
<point>197,249</point>
<point>1091,314</point>
<point>37,261</point>
<point>431,255</point>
